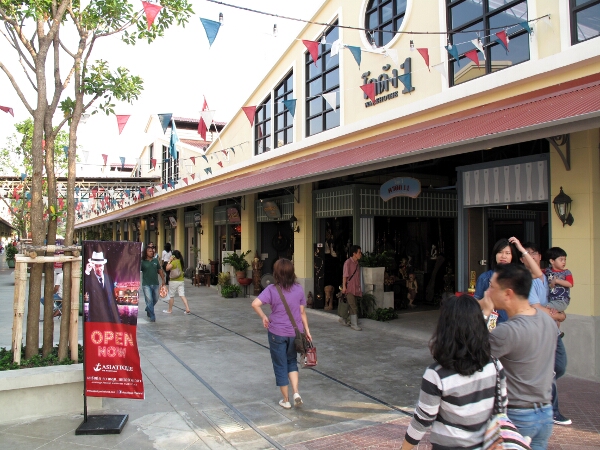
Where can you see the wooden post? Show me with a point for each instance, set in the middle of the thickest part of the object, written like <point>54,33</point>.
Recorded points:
<point>19,308</point>
<point>74,319</point>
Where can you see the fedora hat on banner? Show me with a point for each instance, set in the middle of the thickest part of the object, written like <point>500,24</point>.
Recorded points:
<point>97,258</point>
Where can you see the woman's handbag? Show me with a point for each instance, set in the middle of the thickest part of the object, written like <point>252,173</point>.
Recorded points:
<point>175,273</point>
<point>163,291</point>
<point>310,357</point>
<point>501,433</point>
<point>301,342</point>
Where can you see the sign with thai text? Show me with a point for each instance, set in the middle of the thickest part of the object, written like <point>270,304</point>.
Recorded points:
<point>271,210</point>
<point>400,187</point>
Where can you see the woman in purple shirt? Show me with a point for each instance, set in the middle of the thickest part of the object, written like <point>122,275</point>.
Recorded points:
<point>281,331</point>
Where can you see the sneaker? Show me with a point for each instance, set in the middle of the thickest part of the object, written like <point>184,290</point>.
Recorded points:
<point>285,405</point>
<point>343,322</point>
<point>166,311</point>
<point>187,312</point>
<point>559,419</point>
<point>297,399</point>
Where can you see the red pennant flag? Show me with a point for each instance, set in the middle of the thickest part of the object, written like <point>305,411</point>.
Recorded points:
<point>185,181</point>
<point>250,111</point>
<point>502,36</point>
<point>121,121</point>
<point>220,163</point>
<point>313,49</point>
<point>104,157</point>
<point>193,158</point>
<point>151,10</point>
<point>153,163</point>
<point>425,54</point>
<point>193,176</point>
<point>472,55</point>
<point>201,125</point>
<point>61,203</point>
<point>369,89</point>
<point>7,110</point>
<point>15,193</point>
<point>143,190</point>
<point>151,191</point>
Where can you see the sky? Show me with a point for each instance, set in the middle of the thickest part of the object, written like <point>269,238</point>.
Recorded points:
<point>178,70</point>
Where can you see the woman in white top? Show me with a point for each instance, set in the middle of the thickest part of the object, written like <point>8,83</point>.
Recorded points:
<point>166,258</point>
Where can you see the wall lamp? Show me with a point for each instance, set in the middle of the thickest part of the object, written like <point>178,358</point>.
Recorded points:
<point>294,224</point>
<point>200,229</point>
<point>562,207</point>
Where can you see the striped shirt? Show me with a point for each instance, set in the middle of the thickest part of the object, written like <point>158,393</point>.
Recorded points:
<point>456,407</point>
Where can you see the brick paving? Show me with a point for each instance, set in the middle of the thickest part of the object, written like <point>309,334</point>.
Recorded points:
<point>579,401</point>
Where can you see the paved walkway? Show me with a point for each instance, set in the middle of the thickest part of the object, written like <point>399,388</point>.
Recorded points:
<point>209,385</point>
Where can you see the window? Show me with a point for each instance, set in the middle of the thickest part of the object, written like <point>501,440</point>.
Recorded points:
<point>150,154</point>
<point>283,123</point>
<point>321,79</point>
<point>262,127</point>
<point>585,20</point>
<point>467,16</point>
<point>170,166</point>
<point>383,18</point>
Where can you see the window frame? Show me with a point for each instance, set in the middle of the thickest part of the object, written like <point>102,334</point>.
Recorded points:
<point>573,10</point>
<point>487,46</point>
<point>288,94</point>
<point>261,123</point>
<point>381,34</point>
<point>170,166</point>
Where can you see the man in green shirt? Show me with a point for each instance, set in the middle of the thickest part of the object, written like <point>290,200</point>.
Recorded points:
<point>151,269</point>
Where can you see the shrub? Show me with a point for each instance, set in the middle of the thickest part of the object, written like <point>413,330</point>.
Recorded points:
<point>228,290</point>
<point>238,262</point>
<point>383,259</point>
<point>6,359</point>
<point>365,304</point>
<point>11,251</point>
<point>383,314</point>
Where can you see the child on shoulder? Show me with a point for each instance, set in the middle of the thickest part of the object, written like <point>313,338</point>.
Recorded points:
<point>560,279</point>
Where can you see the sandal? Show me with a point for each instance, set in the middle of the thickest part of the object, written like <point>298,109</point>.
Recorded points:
<point>187,312</point>
<point>166,312</point>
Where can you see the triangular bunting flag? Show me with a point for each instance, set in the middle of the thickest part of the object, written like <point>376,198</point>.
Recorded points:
<point>122,158</point>
<point>174,140</point>
<point>406,80</point>
<point>84,118</point>
<point>369,90</point>
<point>207,116</point>
<point>224,152</point>
<point>425,54</point>
<point>151,10</point>
<point>127,192</point>
<point>472,55</point>
<point>205,158</point>
<point>393,54</point>
<point>441,69</point>
<point>208,170</point>
<point>212,28</point>
<point>143,190</point>
<point>86,154</point>
<point>104,157</point>
<point>193,176</point>
<point>7,110</point>
<point>331,99</point>
<point>193,158</point>
<point>220,164</point>
<point>291,106</point>
<point>202,128</point>
<point>526,26</point>
<point>502,38</point>
<point>313,49</point>
<point>66,150</point>
<point>23,176</point>
<point>233,150</point>
<point>121,121</point>
<point>185,181</point>
<point>153,163</point>
<point>164,121</point>
<point>250,111</point>
<point>335,48</point>
<point>477,43</point>
<point>453,52</point>
<point>356,52</point>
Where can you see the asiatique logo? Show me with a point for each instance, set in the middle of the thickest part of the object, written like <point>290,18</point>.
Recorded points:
<point>111,368</point>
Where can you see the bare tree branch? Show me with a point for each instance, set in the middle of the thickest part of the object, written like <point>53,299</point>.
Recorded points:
<point>17,88</point>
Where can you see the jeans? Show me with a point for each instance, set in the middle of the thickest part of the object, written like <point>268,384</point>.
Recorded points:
<point>560,367</point>
<point>536,423</point>
<point>151,295</point>
<point>57,302</point>
<point>283,357</point>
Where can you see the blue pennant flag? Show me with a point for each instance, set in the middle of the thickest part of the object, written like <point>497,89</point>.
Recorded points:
<point>174,140</point>
<point>28,195</point>
<point>122,158</point>
<point>234,150</point>
<point>164,121</point>
<point>208,170</point>
<point>205,158</point>
<point>454,53</point>
<point>165,186</point>
<point>291,106</point>
<point>501,42</point>
<point>76,190</point>
<point>127,192</point>
<point>66,149</point>
<point>406,80</point>
<point>212,28</point>
<point>23,176</point>
<point>171,183</point>
<point>526,26</point>
<point>356,52</point>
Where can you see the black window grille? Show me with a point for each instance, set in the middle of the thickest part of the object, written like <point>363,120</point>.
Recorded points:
<point>283,122</point>
<point>262,127</point>
<point>383,18</point>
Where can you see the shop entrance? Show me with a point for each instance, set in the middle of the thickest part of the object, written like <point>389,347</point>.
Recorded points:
<point>276,242</point>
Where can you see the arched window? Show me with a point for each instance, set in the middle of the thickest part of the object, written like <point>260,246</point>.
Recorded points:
<point>383,18</point>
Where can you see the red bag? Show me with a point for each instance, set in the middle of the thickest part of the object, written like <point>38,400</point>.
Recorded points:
<point>163,291</point>
<point>310,357</point>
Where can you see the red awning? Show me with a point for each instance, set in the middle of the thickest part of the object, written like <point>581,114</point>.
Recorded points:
<point>572,102</point>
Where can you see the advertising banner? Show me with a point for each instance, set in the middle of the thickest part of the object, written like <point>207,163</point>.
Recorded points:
<point>111,286</point>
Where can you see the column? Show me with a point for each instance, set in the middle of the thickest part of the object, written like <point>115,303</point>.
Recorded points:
<point>303,241</point>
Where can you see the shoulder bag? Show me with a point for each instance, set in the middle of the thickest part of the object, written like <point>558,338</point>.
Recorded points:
<point>343,310</point>
<point>501,433</point>
<point>175,273</point>
<point>307,350</point>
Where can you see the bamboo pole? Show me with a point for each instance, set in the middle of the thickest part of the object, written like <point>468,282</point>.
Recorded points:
<point>74,316</point>
<point>45,259</point>
<point>51,248</point>
<point>19,309</point>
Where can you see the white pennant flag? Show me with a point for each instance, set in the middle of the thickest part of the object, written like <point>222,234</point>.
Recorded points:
<point>331,99</point>
<point>441,69</point>
<point>84,118</point>
<point>86,154</point>
<point>477,43</point>
<point>393,53</point>
<point>138,161</point>
<point>335,47</point>
<point>207,116</point>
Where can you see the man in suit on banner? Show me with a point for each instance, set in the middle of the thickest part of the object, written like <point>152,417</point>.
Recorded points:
<point>100,288</point>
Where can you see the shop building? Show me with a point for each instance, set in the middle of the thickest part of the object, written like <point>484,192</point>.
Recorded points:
<point>489,144</point>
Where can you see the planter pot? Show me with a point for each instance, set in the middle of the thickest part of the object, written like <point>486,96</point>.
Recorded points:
<point>10,263</point>
<point>240,274</point>
<point>373,275</point>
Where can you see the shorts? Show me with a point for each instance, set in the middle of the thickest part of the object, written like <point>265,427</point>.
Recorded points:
<point>558,304</point>
<point>283,357</point>
<point>176,287</point>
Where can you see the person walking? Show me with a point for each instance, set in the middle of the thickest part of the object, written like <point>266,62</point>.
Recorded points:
<point>166,258</point>
<point>351,287</point>
<point>458,390</point>
<point>151,269</point>
<point>176,286</point>
<point>281,332</point>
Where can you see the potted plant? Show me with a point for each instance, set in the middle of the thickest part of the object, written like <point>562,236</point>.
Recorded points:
<point>238,262</point>
<point>11,251</point>
<point>366,304</point>
<point>374,265</point>
<point>231,291</point>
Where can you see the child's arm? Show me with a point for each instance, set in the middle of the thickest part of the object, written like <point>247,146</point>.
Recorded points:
<point>560,282</point>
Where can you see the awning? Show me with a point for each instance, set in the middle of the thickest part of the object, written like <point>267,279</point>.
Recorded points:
<point>551,111</point>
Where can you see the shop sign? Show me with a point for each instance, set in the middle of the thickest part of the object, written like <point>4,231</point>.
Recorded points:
<point>173,222</point>
<point>383,82</point>
<point>233,215</point>
<point>400,187</point>
<point>271,210</point>
<point>197,219</point>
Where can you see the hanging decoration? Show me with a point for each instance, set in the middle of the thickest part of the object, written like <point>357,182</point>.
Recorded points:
<point>406,80</point>
<point>313,49</point>
<point>356,52</point>
<point>185,180</point>
<point>121,122</point>
<point>84,118</point>
<point>153,163</point>
<point>193,176</point>
<point>336,46</point>
<point>173,141</point>
<point>225,152</point>
<point>151,10</point>
<point>233,150</point>
<point>7,110</point>
<point>211,28</point>
<point>250,112</point>
<point>441,69</point>
<point>164,121</point>
<point>369,89</point>
<point>220,164</point>
<point>207,117</point>
<point>202,128</point>
<point>526,26</point>
<point>205,158</point>
<point>23,176</point>
<point>331,99</point>
<point>425,54</point>
<point>66,150</point>
<point>193,158</point>
<point>104,157</point>
<point>291,106</point>
<point>502,39</point>
<point>393,54</point>
<point>86,154</point>
<point>472,55</point>
<point>477,43</point>
<point>122,158</point>
<point>208,170</point>
<point>453,52</point>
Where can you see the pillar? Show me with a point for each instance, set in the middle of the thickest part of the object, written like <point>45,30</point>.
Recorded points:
<point>249,227</point>
<point>207,238</point>
<point>180,233</point>
<point>303,241</point>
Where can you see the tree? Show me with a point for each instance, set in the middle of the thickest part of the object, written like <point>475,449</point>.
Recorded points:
<point>41,33</point>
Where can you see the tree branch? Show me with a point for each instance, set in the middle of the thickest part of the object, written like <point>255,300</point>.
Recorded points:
<point>17,88</point>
